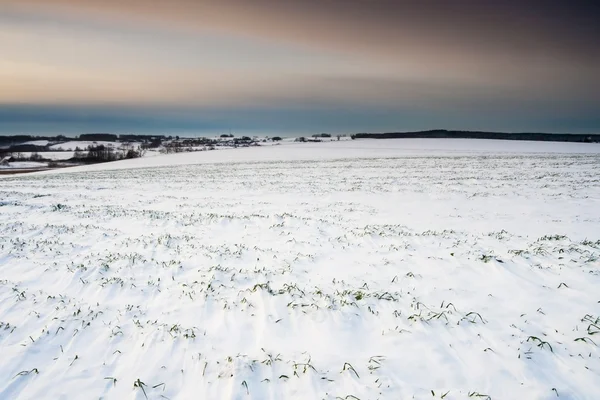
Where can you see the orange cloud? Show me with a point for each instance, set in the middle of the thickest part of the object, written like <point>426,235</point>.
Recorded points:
<point>382,50</point>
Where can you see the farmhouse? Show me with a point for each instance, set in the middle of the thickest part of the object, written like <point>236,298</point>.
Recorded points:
<point>6,160</point>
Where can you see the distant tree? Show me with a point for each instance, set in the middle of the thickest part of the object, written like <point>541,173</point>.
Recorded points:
<point>35,157</point>
<point>132,154</point>
<point>155,143</point>
<point>78,155</point>
<point>101,153</point>
<point>104,137</point>
<point>276,138</point>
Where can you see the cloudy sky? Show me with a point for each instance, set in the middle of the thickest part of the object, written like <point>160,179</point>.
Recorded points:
<point>303,66</point>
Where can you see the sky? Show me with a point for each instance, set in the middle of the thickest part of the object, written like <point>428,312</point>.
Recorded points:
<point>298,67</point>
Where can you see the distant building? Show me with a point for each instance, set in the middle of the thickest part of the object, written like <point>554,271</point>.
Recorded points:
<point>6,160</point>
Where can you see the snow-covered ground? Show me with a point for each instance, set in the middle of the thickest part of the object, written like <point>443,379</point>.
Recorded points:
<point>52,155</point>
<point>363,269</point>
<point>24,165</point>
<point>38,142</point>
<point>351,149</point>
<point>83,145</point>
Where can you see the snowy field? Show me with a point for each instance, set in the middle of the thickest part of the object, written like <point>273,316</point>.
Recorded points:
<point>354,270</point>
<point>51,155</point>
<point>83,145</point>
<point>23,165</point>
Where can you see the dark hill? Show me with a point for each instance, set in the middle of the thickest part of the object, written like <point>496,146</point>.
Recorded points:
<point>447,134</point>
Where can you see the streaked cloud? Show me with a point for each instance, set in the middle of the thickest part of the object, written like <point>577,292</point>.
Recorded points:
<point>447,60</point>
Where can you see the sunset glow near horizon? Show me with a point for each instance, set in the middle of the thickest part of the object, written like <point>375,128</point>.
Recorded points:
<point>70,66</point>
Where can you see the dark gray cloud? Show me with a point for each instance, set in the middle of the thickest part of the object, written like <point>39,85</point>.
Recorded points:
<point>553,27</point>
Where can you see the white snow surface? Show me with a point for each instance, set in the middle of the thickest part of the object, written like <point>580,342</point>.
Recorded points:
<point>363,269</point>
<point>38,142</point>
<point>52,155</point>
<point>24,165</point>
<point>350,149</point>
<point>83,145</point>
